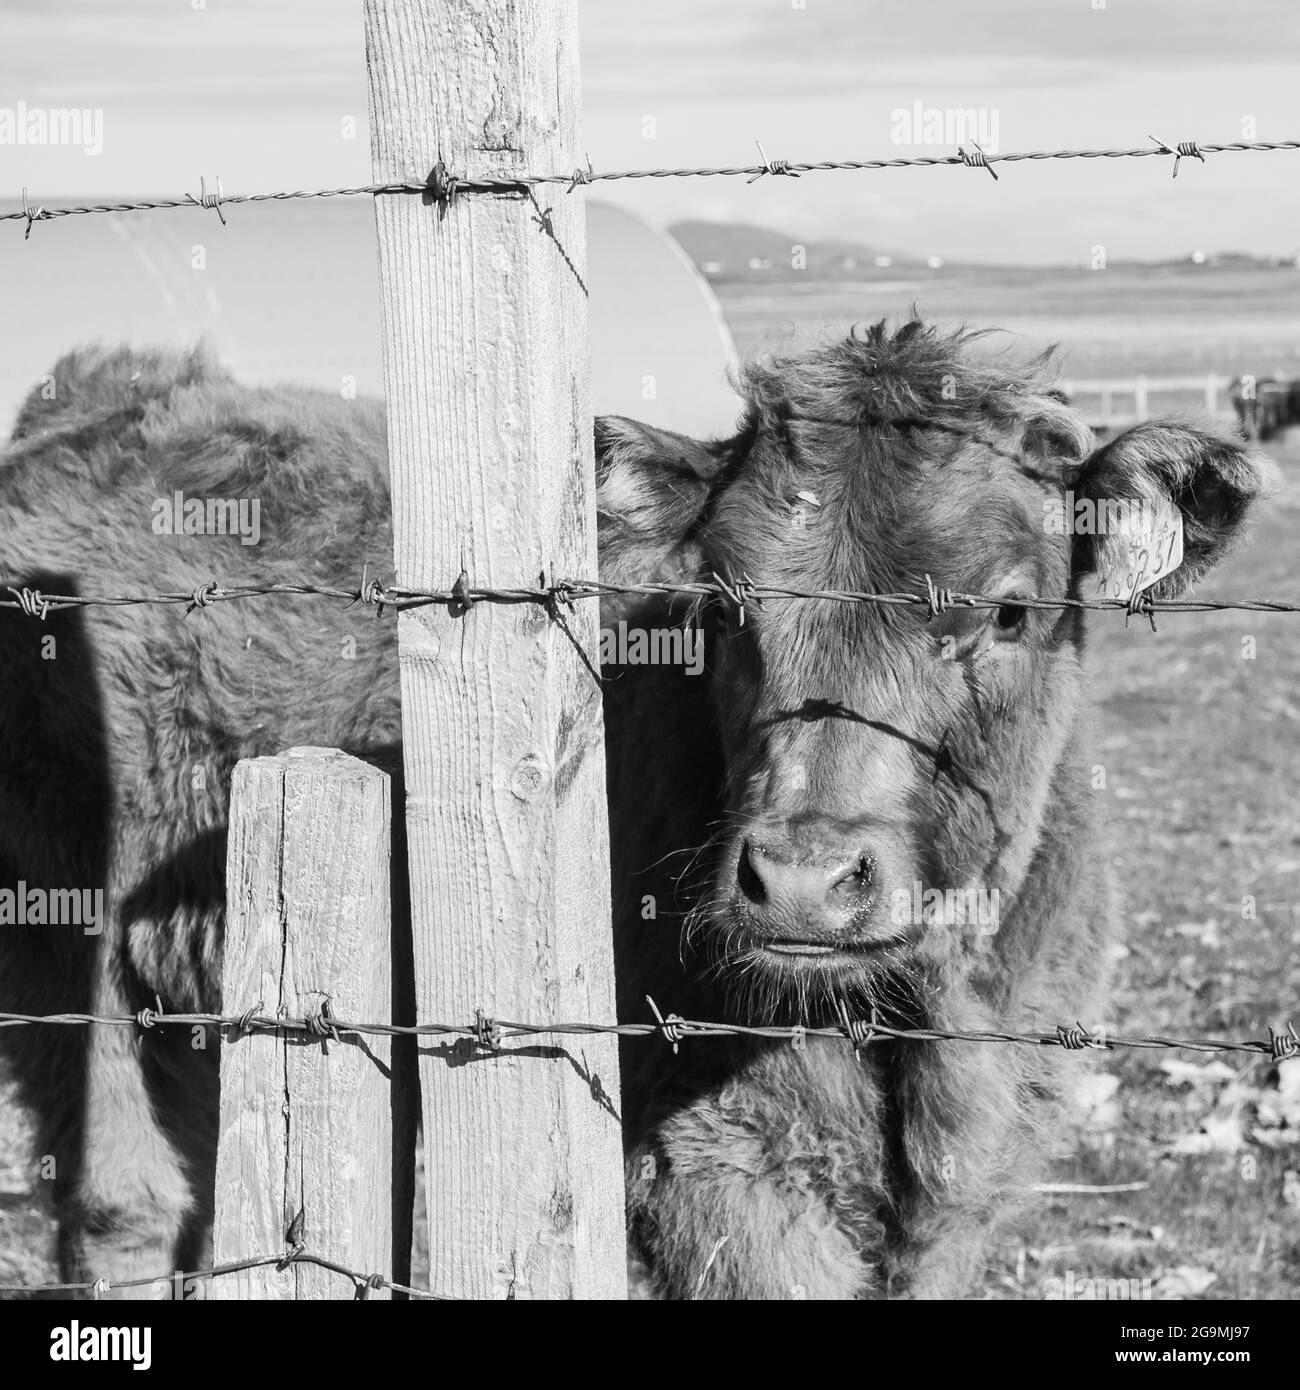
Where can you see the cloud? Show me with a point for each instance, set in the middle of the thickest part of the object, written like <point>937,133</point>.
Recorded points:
<point>728,50</point>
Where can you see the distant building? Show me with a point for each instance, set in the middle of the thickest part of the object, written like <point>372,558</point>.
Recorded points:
<point>760,263</point>
<point>934,262</point>
<point>884,262</point>
<point>713,267</point>
<point>1199,258</point>
<point>849,263</point>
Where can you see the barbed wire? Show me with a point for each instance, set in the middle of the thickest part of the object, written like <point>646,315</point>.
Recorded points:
<point>738,592</point>
<point>364,1283</point>
<point>490,1033</point>
<point>444,187</point>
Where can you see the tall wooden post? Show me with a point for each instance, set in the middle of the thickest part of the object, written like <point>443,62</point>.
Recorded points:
<point>486,372</point>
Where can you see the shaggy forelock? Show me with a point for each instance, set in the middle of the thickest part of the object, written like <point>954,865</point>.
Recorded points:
<point>917,375</point>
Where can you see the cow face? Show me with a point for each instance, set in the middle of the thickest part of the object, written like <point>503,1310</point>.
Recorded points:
<point>889,771</point>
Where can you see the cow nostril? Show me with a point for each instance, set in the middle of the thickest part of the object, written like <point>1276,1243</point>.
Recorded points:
<point>751,885</point>
<point>858,879</point>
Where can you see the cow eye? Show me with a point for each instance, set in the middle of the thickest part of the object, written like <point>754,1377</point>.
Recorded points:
<point>1008,621</point>
<point>1010,615</point>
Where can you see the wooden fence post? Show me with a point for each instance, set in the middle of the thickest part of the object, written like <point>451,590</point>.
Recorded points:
<point>487,378</point>
<point>306,1125</point>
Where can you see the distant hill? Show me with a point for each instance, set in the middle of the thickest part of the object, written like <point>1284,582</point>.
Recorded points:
<point>739,251</point>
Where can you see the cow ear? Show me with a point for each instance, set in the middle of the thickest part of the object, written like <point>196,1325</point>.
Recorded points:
<point>1212,480</point>
<point>652,488</point>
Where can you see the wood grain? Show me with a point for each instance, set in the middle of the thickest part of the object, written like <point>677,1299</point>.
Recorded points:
<point>304,1125</point>
<point>487,378</point>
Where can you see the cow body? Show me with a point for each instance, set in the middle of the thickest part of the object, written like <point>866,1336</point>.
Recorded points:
<point>122,727</point>
<point>772,817</point>
<point>1264,406</point>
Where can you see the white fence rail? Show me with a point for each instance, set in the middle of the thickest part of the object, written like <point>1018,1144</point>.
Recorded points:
<point>1111,394</point>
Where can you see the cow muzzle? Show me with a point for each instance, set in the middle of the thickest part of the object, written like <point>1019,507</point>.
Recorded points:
<point>798,897</point>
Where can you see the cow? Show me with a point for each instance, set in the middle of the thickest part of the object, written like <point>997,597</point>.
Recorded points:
<point>796,822</point>
<point>1264,406</point>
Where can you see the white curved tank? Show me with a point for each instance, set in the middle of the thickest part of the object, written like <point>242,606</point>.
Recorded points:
<point>290,292</point>
<point>660,347</point>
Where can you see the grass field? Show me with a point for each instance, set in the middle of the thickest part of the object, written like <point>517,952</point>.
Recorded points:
<point>1200,749</point>
<point>1116,322</point>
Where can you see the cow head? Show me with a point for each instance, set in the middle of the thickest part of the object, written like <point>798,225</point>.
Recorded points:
<point>880,759</point>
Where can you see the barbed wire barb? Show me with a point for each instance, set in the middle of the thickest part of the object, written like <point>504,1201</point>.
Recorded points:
<point>977,160</point>
<point>30,215</point>
<point>1185,149</point>
<point>772,166</point>
<point>209,200</point>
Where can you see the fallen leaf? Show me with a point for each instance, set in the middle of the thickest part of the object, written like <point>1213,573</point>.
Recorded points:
<point>1185,1281</point>
<point>1279,1106</point>
<point>1207,933</point>
<point>1291,1189</point>
<point>1181,1073</point>
<point>1094,1097</point>
<point>1220,1133</point>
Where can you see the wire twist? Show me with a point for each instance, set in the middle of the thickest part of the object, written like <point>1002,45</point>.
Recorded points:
<point>1185,149</point>
<point>487,1031</point>
<point>208,200</point>
<point>673,1027</point>
<point>30,215</point>
<point>975,158</point>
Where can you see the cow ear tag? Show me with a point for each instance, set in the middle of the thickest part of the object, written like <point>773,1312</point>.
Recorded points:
<point>1145,546</point>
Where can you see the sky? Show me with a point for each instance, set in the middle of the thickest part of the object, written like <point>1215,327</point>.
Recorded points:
<point>272,94</point>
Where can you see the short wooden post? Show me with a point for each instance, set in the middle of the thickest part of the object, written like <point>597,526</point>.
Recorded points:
<point>306,1125</point>
<point>1211,394</point>
<point>486,367</point>
<point>1140,398</point>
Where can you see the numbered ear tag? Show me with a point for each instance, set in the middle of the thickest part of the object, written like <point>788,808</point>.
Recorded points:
<point>1146,546</point>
